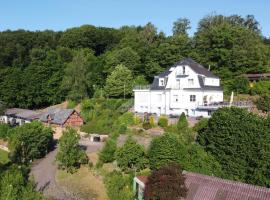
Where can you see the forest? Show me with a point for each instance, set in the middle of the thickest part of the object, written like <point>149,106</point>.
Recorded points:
<point>41,68</point>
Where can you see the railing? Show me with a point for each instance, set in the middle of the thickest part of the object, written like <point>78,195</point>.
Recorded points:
<point>216,105</point>
<point>142,87</point>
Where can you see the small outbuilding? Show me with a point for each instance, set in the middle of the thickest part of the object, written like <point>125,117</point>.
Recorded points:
<point>61,117</point>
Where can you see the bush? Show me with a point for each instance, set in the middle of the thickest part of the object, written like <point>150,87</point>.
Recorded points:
<point>70,156</point>
<point>260,88</point>
<point>152,121</point>
<point>118,186</point>
<point>164,149</point>
<point>71,104</point>
<point>263,103</point>
<point>146,125</point>
<point>4,131</point>
<point>29,141</point>
<point>182,122</point>
<point>137,120</point>
<point>122,129</point>
<point>127,118</point>
<point>240,85</point>
<point>239,141</point>
<point>171,187</point>
<point>107,154</point>
<point>163,121</point>
<point>14,184</point>
<point>131,156</point>
<point>170,148</point>
<point>201,125</point>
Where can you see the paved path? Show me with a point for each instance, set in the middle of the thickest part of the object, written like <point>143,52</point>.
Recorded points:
<point>44,171</point>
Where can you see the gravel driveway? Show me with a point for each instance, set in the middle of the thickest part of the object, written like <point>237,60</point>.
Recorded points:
<point>44,171</point>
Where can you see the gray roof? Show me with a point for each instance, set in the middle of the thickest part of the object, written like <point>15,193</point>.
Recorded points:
<point>203,187</point>
<point>196,67</point>
<point>23,113</point>
<point>207,87</point>
<point>155,84</point>
<point>57,115</point>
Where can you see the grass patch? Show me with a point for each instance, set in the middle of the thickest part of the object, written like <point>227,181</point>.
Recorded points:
<point>83,183</point>
<point>3,156</point>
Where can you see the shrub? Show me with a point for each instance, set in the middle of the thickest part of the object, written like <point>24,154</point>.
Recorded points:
<point>240,85</point>
<point>137,120</point>
<point>239,141</point>
<point>107,154</point>
<point>131,155</point>
<point>164,149</point>
<point>170,148</point>
<point>127,118</point>
<point>263,103</point>
<point>14,184</point>
<point>163,121</point>
<point>70,156</point>
<point>118,186</point>
<point>146,125</point>
<point>71,104</point>
<point>122,129</point>
<point>152,121</point>
<point>171,187</point>
<point>201,125</point>
<point>261,87</point>
<point>182,122</point>
<point>4,131</point>
<point>29,141</point>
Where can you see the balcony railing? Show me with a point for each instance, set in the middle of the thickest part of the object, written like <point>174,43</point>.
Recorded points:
<point>216,105</point>
<point>141,87</point>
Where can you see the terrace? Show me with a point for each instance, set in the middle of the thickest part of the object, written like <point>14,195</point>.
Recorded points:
<point>217,105</point>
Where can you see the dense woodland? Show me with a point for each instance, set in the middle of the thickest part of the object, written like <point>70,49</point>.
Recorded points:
<point>41,68</point>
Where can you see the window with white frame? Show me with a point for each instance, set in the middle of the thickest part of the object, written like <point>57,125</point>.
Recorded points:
<point>192,98</point>
<point>190,82</point>
<point>161,82</point>
<point>175,98</point>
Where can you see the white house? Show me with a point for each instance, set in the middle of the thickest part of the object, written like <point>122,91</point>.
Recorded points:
<point>184,87</point>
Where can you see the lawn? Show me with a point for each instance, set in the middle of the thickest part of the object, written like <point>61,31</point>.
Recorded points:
<point>3,156</point>
<point>84,183</point>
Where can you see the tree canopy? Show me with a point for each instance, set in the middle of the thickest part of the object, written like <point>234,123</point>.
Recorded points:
<point>41,68</point>
<point>29,141</point>
<point>171,187</point>
<point>239,141</point>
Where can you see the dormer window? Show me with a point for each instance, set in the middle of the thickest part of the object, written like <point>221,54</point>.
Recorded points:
<point>161,82</point>
<point>190,82</point>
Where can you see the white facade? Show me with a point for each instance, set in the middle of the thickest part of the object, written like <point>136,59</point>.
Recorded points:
<point>180,89</point>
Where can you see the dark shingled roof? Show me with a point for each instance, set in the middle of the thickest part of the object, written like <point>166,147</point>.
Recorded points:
<point>23,113</point>
<point>196,67</point>
<point>205,87</point>
<point>58,116</point>
<point>202,187</point>
<point>155,84</point>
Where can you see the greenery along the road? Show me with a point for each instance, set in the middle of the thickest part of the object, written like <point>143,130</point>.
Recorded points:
<point>41,68</point>
<point>3,157</point>
<point>26,143</point>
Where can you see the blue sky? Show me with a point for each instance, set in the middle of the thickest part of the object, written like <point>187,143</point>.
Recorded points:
<point>63,14</point>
